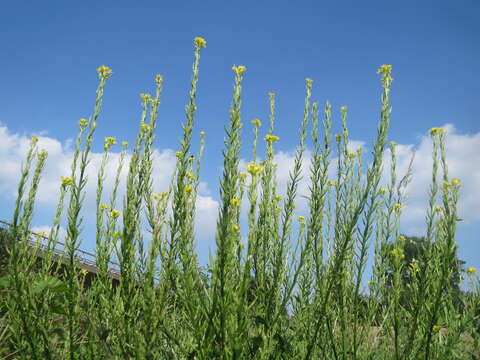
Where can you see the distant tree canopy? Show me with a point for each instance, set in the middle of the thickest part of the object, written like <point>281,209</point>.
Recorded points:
<point>416,252</point>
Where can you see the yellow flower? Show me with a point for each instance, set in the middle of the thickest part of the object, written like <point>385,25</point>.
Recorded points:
<point>124,144</point>
<point>254,169</point>
<point>190,175</point>
<point>158,79</point>
<point>352,155</point>
<point>456,181</point>
<point>202,133</point>
<point>239,70</point>
<point>401,238</point>
<point>436,328</point>
<point>109,141</point>
<point>235,202</point>
<point>178,154</point>
<point>271,138</point>
<point>437,131</point>
<point>104,207</point>
<point>243,176</point>
<point>191,158</point>
<point>414,267</point>
<point>34,139</point>
<point>343,108</point>
<point>309,81</point>
<point>383,191</point>
<point>384,69</point>
<point>236,227</point>
<point>437,208</point>
<point>146,127</point>
<point>256,122</point>
<point>397,207</point>
<point>83,272</point>
<point>471,270</point>
<point>145,97</point>
<point>188,189</point>
<point>397,253</point>
<point>277,198</point>
<point>114,213</point>
<point>83,122</point>
<point>200,42</point>
<point>104,72</point>
<point>301,218</point>
<point>66,181</point>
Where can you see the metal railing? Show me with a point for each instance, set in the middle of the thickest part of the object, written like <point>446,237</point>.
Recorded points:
<point>83,257</point>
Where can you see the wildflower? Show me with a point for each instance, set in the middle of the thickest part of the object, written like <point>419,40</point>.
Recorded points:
<point>271,138</point>
<point>254,169</point>
<point>104,207</point>
<point>145,97</point>
<point>383,191</point>
<point>236,227</point>
<point>343,108</point>
<point>309,81</point>
<point>66,181</point>
<point>414,267</point>
<point>401,238</point>
<point>114,213</point>
<point>43,154</point>
<point>239,70</point>
<point>397,207</point>
<point>256,122</point>
<point>301,218</point>
<point>190,175</point>
<point>243,176</point>
<point>109,141</point>
<point>158,79</point>
<point>397,253</point>
<point>146,127</point>
<point>456,181</point>
<point>437,208</point>
<point>34,139</point>
<point>83,123</point>
<point>124,144</point>
<point>188,189</point>
<point>84,272</point>
<point>437,131</point>
<point>202,133</point>
<point>436,328</point>
<point>277,198</point>
<point>104,72</point>
<point>471,270</point>
<point>178,154</point>
<point>235,202</point>
<point>200,42</point>
<point>352,155</point>
<point>331,183</point>
<point>385,69</point>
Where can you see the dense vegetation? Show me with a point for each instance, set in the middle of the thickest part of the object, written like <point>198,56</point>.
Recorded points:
<point>294,290</point>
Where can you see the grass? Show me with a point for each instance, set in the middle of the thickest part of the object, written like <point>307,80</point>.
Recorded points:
<point>282,294</point>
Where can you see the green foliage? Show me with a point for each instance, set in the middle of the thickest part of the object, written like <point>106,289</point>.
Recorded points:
<point>287,291</point>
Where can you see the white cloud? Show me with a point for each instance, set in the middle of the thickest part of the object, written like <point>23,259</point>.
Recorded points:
<point>13,148</point>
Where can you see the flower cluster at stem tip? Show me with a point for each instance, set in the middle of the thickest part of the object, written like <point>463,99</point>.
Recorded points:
<point>200,42</point>
<point>437,131</point>
<point>235,202</point>
<point>83,123</point>
<point>239,70</point>
<point>114,213</point>
<point>471,270</point>
<point>256,122</point>
<point>104,72</point>
<point>66,181</point>
<point>271,138</point>
<point>254,169</point>
<point>109,141</point>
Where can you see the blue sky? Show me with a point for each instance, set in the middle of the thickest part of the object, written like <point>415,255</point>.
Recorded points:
<point>51,50</point>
